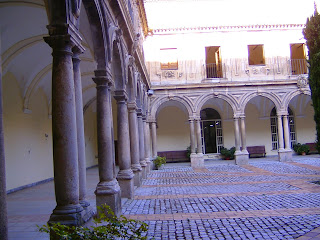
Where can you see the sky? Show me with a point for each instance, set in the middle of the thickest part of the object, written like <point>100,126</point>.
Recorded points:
<point>195,13</point>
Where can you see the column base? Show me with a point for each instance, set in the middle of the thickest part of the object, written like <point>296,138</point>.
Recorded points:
<point>87,209</point>
<point>242,158</point>
<point>197,160</point>
<point>109,193</point>
<point>137,178</point>
<point>71,215</point>
<point>285,155</point>
<point>148,168</point>
<point>127,188</point>
<point>125,180</point>
<point>144,170</point>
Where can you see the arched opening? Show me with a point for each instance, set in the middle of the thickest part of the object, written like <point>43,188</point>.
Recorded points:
<point>274,128</point>
<point>211,127</point>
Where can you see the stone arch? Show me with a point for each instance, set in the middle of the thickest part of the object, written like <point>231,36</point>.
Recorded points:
<point>293,94</point>
<point>159,104</point>
<point>131,85</point>
<point>98,25</point>
<point>271,96</point>
<point>200,103</point>
<point>117,65</point>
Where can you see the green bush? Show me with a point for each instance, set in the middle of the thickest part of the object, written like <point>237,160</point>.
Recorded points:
<point>110,227</point>
<point>159,161</point>
<point>227,153</point>
<point>301,148</point>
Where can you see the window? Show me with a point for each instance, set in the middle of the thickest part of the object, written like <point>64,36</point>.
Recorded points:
<point>213,62</point>
<point>169,59</point>
<point>298,59</point>
<point>274,128</point>
<point>256,55</point>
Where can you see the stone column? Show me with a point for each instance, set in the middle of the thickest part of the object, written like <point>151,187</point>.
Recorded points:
<point>146,144</point>
<point>3,192</point>
<point>243,134</point>
<point>134,144</point>
<point>141,144</point>
<point>199,140</point>
<point>64,131</point>
<point>154,139</point>
<point>125,175</point>
<point>192,137</point>
<point>108,189</point>
<point>241,157</point>
<point>280,133</point>
<point>149,144</point>
<point>80,132</point>
<point>284,154</point>
<point>237,134</point>
<point>197,160</point>
<point>286,133</point>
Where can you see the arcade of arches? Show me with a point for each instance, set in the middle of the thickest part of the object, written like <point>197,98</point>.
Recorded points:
<point>75,95</point>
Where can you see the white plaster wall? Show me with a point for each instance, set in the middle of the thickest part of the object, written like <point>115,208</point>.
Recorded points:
<point>305,126</point>
<point>90,134</point>
<point>27,137</point>
<point>173,132</point>
<point>258,130</point>
<point>228,133</point>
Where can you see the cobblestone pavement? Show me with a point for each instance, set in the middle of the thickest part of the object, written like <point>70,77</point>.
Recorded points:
<point>265,199</point>
<point>262,200</point>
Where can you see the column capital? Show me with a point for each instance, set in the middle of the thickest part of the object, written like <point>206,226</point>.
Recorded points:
<point>144,118</point>
<point>60,43</point>
<point>132,106</point>
<point>121,96</point>
<point>103,78</point>
<point>197,118</point>
<point>139,112</point>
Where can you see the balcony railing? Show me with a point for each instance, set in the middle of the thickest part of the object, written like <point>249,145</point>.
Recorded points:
<point>215,70</point>
<point>298,66</point>
<point>195,71</point>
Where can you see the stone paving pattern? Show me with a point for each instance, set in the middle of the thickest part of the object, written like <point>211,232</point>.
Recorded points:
<point>263,200</point>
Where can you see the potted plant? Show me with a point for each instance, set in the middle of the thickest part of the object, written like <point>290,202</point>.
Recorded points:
<point>159,161</point>
<point>227,154</point>
<point>301,149</point>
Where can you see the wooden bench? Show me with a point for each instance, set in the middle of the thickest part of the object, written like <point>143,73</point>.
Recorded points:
<point>174,156</point>
<point>256,151</point>
<point>313,147</point>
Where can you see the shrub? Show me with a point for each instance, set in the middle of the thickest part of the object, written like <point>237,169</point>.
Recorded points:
<point>301,148</point>
<point>105,227</point>
<point>227,153</point>
<point>159,161</point>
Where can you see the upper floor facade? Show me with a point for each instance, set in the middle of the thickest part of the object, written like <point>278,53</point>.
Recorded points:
<point>226,54</point>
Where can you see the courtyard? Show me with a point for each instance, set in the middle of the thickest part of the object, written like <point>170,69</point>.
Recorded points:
<point>265,199</point>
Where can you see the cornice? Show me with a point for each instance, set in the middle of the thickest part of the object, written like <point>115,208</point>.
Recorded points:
<point>256,27</point>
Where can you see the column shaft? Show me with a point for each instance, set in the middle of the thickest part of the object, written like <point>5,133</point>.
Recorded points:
<point>199,140</point>
<point>65,149</point>
<point>134,138</point>
<point>3,192</point>
<point>280,133</point>
<point>125,175</point>
<point>108,189</point>
<point>192,136</point>
<point>146,143</point>
<point>237,134</point>
<point>154,139</point>
<point>149,143</point>
<point>243,134</point>
<point>80,129</point>
<point>286,132</point>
